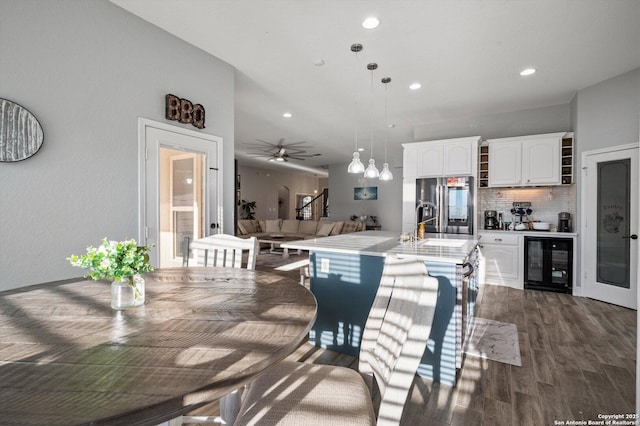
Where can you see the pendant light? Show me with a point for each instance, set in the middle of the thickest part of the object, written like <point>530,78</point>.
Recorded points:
<point>385,174</point>
<point>356,165</point>
<point>372,170</point>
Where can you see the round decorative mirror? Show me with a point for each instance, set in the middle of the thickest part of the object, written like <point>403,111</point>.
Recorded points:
<point>21,135</point>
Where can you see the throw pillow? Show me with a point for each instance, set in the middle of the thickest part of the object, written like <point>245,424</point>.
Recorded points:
<point>350,226</point>
<point>249,226</point>
<point>308,227</point>
<point>241,229</point>
<point>337,228</point>
<point>290,226</point>
<point>272,226</point>
<point>324,230</point>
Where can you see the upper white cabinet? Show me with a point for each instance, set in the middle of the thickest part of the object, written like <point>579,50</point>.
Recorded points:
<point>430,157</point>
<point>459,158</point>
<point>449,157</point>
<point>505,163</point>
<point>409,160</point>
<point>541,161</point>
<point>525,161</point>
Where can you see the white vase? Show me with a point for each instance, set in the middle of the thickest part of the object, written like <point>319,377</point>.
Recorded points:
<point>128,293</point>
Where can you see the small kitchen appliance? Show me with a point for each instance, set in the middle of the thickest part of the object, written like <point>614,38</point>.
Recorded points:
<point>564,222</point>
<point>521,210</point>
<point>490,219</point>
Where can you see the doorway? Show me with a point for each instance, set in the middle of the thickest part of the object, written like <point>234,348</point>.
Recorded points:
<point>179,188</point>
<point>182,196</point>
<point>610,225</point>
<point>283,203</point>
<point>306,209</point>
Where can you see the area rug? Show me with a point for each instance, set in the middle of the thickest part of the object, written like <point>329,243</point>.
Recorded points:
<point>494,340</point>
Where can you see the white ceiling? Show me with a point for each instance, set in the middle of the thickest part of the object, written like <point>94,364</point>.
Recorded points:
<point>466,53</point>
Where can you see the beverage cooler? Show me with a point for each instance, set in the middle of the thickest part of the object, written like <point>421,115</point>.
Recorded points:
<point>548,264</point>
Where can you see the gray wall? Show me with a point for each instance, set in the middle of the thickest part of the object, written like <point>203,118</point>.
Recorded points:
<point>261,186</point>
<point>607,113</point>
<point>388,206</point>
<point>550,119</point>
<point>87,70</point>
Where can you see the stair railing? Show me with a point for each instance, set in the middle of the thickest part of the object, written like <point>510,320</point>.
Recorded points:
<point>306,211</point>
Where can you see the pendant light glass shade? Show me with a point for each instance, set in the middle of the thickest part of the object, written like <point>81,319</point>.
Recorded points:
<point>372,170</point>
<point>386,174</point>
<point>356,165</point>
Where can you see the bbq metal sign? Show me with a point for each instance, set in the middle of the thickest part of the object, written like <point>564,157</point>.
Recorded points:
<point>184,111</point>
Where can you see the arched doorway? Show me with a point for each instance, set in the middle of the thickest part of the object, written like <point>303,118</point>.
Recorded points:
<point>283,202</point>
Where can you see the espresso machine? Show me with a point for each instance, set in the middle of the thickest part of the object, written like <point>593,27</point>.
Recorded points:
<point>490,219</point>
<point>564,222</point>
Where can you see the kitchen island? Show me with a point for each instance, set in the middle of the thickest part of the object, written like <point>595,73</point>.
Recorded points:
<point>345,272</point>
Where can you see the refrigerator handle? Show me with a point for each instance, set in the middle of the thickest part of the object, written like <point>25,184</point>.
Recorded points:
<point>442,189</point>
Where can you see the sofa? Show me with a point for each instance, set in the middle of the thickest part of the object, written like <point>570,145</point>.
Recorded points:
<point>302,229</point>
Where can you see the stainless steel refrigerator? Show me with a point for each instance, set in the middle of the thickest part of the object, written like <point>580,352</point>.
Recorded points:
<point>445,204</point>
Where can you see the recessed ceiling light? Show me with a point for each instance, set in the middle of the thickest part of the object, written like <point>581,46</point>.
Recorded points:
<point>287,115</point>
<point>527,71</point>
<point>371,22</point>
<point>415,86</point>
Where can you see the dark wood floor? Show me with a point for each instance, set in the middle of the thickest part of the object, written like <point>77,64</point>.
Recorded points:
<point>578,361</point>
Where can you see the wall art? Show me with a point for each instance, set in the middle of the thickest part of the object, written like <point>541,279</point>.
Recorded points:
<point>184,111</point>
<point>365,193</point>
<point>21,135</point>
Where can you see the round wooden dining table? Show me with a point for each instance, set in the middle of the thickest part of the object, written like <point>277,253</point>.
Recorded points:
<point>67,358</point>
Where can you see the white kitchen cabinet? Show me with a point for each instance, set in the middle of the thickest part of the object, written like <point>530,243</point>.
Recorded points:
<point>505,163</point>
<point>525,161</point>
<point>541,161</point>
<point>430,159</point>
<point>502,255</point>
<point>450,157</point>
<point>459,159</point>
<point>410,160</point>
<point>408,204</point>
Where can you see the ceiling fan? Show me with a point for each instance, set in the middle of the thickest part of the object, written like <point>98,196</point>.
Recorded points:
<point>281,151</point>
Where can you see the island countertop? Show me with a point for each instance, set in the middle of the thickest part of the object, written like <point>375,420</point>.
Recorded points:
<point>447,248</point>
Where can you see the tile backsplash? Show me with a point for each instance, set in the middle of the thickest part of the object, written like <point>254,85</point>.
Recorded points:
<point>546,202</point>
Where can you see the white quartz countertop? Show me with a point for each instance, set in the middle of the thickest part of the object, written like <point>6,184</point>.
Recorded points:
<point>435,247</point>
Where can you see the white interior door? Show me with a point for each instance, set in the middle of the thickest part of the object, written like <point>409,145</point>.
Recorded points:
<point>179,186</point>
<point>610,225</point>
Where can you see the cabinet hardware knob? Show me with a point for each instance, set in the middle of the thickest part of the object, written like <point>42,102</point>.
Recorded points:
<point>497,239</point>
